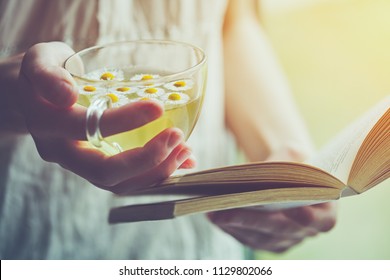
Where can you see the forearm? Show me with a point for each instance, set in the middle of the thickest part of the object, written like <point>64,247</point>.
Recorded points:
<point>259,105</point>
<point>11,120</point>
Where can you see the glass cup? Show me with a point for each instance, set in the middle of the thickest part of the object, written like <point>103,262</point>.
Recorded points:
<point>109,76</point>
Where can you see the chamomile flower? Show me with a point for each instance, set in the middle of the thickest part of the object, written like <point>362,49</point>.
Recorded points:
<point>175,98</point>
<point>105,74</point>
<point>144,77</point>
<point>90,90</point>
<point>117,100</point>
<point>140,99</point>
<point>180,85</point>
<point>87,93</point>
<point>147,79</point>
<point>123,90</point>
<point>150,92</point>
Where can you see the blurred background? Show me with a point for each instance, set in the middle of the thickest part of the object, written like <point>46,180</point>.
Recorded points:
<point>336,55</point>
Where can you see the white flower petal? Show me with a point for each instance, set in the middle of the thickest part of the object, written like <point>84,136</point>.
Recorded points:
<point>180,85</point>
<point>168,100</point>
<point>150,92</point>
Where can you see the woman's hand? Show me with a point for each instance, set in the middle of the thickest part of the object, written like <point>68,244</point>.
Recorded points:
<point>46,97</point>
<point>276,231</point>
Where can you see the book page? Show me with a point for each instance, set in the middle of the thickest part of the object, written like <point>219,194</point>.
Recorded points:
<point>338,155</point>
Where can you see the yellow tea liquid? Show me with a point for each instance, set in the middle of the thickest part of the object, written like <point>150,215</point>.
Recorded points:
<point>182,101</point>
<point>182,117</point>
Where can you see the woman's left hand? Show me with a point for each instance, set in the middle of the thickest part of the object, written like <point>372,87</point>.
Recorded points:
<point>276,231</point>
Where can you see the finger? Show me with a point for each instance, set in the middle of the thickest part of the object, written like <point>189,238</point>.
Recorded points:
<point>154,176</point>
<point>106,171</point>
<point>188,163</point>
<point>46,120</point>
<point>43,120</point>
<point>274,222</point>
<point>129,116</point>
<point>43,67</point>
<point>148,164</point>
<point>321,217</point>
<point>262,241</point>
<point>44,86</point>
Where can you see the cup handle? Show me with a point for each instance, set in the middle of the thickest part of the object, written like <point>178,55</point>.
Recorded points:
<point>94,136</point>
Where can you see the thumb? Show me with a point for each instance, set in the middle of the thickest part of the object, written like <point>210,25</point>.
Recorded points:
<point>42,66</point>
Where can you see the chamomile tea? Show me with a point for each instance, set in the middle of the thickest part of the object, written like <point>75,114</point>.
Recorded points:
<point>181,99</point>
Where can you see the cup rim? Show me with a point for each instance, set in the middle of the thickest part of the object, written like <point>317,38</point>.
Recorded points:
<point>163,78</point>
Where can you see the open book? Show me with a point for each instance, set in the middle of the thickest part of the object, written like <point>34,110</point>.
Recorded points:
<point>356,160</point>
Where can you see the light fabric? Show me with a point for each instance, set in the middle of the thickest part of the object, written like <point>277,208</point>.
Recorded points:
<point>47,212</point>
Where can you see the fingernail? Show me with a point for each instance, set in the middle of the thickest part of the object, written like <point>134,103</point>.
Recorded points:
<point>189,163</point>
<point>183,155</point>
<point>175,138</point>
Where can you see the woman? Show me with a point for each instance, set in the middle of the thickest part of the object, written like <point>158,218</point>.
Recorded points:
<point>47,211</point>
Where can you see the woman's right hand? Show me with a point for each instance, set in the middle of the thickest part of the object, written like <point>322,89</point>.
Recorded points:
<point>46,98</point>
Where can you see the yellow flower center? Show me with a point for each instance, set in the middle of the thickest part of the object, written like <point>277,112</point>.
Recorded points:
<point>180,84</point>
<point>151,90</point>
<point>144,98</point>
<point>123,89</point>
<point>107,76</point>
<point>174,96</point>
<point>89,88</point>
<point>146,77</point>
<point>113,97</point>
